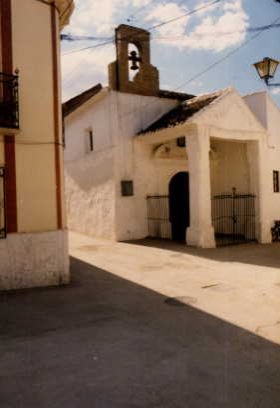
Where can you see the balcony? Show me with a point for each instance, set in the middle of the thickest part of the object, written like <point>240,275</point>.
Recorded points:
<point>9,110</point>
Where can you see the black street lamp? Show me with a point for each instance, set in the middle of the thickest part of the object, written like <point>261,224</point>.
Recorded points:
<point>266,69</point>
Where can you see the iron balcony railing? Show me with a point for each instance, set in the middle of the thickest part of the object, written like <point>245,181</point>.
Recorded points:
<point>9,109</point>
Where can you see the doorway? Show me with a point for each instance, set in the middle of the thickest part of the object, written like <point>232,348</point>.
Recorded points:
<point>179,205</point>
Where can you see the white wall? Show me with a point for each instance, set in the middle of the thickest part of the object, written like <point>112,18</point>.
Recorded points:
<point>33,260</point>
<point>93,179</point>
<point>229,167</point>
<point>90,194</point>
<point>268,113</point>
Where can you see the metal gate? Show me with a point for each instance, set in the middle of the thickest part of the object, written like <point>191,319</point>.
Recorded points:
<point>233,217</point>
<point>158,215</point>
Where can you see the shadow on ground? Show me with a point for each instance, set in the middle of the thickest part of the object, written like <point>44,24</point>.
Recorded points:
<point>104,342</point>
<point>250,253</point>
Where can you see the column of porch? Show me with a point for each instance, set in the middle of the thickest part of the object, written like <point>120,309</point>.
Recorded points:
<point>200,232</point>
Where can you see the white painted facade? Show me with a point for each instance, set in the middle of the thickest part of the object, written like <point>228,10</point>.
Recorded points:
<point>230,143</point>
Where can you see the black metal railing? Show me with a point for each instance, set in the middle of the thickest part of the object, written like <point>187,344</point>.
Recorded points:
<point>233,217</point>
<point>9,107</point>
<point>2,205</point>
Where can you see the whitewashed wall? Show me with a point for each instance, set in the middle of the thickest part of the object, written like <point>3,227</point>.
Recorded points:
<point>151,176</point>
<point>229,167</point>
<point>269,115</point>
<point>93,191</point>
<point>94,202</point>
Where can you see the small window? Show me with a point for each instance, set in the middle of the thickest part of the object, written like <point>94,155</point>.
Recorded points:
<point>181,141</point>
<point>89,142</point>
<point>276,181</point>
<point>90,136</point>
<point>2,205</point>
<point>127,188</point>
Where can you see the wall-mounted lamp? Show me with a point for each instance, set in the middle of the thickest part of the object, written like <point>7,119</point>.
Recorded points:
<point>266,70</point>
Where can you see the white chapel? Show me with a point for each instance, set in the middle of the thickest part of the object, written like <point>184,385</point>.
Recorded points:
<point>141,161</point>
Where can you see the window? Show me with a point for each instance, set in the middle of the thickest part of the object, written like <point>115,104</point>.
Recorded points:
<point>2,205</point>
<point>90,135</point>
<point>127,188</point>
<point>181,141</point>
<point>89,143</point>
<point>276,181</point>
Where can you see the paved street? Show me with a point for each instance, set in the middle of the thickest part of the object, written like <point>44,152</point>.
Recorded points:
<point>149,324</point>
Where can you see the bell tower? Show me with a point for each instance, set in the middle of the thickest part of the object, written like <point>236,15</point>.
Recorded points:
<point>146,78</point>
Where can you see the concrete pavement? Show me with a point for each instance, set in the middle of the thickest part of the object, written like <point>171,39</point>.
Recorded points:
<point>113,338</point>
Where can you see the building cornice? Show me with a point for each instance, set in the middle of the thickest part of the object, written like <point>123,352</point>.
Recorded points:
<point>65,9</point>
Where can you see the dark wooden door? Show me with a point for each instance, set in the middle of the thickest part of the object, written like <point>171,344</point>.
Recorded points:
<point>179,207</point>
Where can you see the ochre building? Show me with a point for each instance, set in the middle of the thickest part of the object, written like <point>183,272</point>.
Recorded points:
<point>33,240</point>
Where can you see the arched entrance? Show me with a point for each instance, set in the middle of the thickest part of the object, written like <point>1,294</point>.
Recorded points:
<point>179,206</point>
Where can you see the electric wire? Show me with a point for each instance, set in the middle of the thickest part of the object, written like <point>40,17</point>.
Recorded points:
<point>131,17</point>
<point>188,13</point>
<point>258,29</point>
<point>209,68</point>
<point>191,12</point>
<point>225,57</point>
<point>73,38</point>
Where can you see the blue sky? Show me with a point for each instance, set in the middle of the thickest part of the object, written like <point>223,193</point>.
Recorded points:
<point>180,50</point>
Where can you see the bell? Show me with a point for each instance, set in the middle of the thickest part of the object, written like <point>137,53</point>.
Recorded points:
<point>134,66</point>
<point>133,57</point>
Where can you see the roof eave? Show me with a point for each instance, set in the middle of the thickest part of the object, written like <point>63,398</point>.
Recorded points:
<point>65,8</point>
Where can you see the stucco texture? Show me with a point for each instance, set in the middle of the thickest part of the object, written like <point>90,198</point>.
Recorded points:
<point>35,159</point>
<point>33,260</point>
<point>90,200</point>
<point>227,145</point>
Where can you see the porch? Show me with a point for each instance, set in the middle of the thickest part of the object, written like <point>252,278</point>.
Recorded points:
<point>223,159</point>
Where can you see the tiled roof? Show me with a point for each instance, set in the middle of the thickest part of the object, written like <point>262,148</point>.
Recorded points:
<point>183,112</point>
<point>180,96</point>
<point>74,103</point>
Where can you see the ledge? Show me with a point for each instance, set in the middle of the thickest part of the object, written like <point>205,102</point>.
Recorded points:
<point>8,131</point>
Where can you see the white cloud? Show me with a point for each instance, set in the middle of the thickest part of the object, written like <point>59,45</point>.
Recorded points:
<point>90,17</point>
<point>166,12</point>
<point>83,70</point>
<point>275,91</point>
<point>214,29</point>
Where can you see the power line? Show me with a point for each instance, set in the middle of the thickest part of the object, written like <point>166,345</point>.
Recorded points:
<point>210,67</point>
<point>191,12</point>
<point>225,57</point>
<point>132,16</point>
<point>73,38</point>
<point>89,47</point>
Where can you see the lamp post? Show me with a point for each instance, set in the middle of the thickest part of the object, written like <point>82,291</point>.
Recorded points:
<point>266,70</point>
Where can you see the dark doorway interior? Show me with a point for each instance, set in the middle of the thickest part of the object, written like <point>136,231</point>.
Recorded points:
<point>179,206</point>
